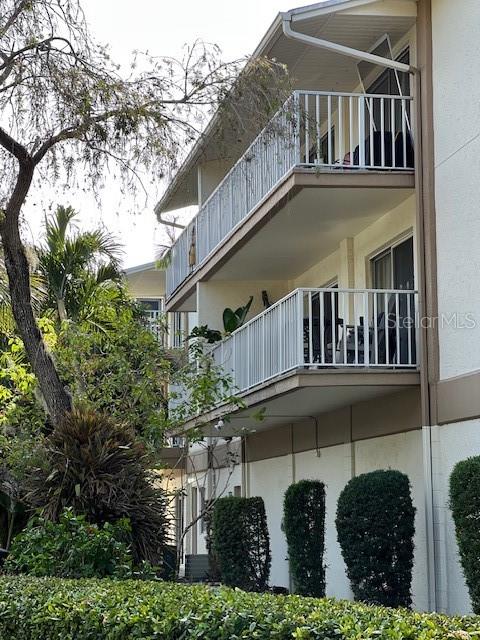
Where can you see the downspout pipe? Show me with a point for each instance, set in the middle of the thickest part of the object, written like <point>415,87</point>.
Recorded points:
<point>169,223</point>
<point>342,49</point>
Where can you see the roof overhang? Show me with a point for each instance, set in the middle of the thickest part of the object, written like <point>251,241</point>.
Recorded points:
<point>148,266</point>
<point>354,23</point>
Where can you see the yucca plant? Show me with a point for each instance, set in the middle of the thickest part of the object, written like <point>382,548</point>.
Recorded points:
<point>97,467</point>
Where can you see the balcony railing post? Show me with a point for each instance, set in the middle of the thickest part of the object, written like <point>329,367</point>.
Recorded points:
<point>297,126</point>
<point>366,331</point>
<point>361,131</point>
<point>300,356</point>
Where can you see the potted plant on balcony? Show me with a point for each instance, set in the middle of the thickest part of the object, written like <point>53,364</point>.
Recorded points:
<point>233,320</point>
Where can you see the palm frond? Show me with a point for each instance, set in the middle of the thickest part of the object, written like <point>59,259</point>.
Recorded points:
<point>56,227</point>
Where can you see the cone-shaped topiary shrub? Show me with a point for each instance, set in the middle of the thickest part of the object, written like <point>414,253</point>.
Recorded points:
<point>375,526</point>
<point>304,526</point>
<point>97,467</point>
<point>241,542</point>
<point>465,506</point>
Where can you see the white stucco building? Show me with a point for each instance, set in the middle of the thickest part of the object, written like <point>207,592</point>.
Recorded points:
<point>356,216</point>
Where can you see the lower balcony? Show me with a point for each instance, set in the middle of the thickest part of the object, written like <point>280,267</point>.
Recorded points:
<point>318,350</point>
<point>323,329</point>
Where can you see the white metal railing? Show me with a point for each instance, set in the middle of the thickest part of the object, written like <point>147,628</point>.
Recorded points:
<point>334,131</point>
<point>323,328</point>
<point>156,323</point>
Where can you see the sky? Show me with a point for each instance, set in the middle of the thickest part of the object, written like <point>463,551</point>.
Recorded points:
<point>162,28</point>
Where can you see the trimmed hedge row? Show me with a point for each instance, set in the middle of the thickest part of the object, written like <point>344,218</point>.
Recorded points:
<point>241,543</point>
<point>54,609</point>
<point>304,526</point>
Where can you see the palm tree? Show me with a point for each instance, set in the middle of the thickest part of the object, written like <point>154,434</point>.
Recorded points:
<point>76,264</point>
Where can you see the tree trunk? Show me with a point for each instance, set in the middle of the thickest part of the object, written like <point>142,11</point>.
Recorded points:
<point>57,400</point>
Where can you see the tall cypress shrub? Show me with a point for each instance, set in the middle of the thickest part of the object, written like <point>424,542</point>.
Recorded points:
<point>375,526</point>
<point>241,542</point>
<point>465,506</point>
<point>304,526</point>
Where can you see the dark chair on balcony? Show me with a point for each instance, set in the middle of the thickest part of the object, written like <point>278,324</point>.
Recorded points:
<point>388,156</point>
<point>331,338</point>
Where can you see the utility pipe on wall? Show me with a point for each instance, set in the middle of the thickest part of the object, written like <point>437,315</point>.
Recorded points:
<point>340,48</point>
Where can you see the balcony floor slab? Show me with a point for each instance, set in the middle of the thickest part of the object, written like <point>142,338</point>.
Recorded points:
<point>304,393</point>
<point>379,191</point>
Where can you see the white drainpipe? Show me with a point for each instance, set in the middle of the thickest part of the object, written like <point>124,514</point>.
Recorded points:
<point>340,48</point>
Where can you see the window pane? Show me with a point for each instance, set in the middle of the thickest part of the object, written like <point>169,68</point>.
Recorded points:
<point>382,271</point>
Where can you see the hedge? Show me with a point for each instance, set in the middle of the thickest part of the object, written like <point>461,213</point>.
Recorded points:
<point>375,526</point>
<point>304,526</point>
<point>92,609</point>
<point>241,543</point>
<point>465,506</point>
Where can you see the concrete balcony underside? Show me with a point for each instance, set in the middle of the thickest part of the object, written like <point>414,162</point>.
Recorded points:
<point>172,457</point>
<point>329,204</point>
<point>303,393</point>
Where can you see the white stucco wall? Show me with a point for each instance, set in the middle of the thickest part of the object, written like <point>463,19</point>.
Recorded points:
<point>334,466</point>
<point>456,99</point>
<point>270,479</point>
<point>213,296</point>
<point>390,228</point>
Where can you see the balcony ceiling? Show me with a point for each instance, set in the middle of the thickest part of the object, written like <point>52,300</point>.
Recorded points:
<point>310,69</point>
<point>307,229</point>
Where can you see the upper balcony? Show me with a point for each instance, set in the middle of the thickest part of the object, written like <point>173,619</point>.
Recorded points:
<point>334,133</point>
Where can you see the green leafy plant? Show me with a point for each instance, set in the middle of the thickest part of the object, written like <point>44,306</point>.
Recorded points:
<point>304,526</point>
<point>96,466</point>
<point>92,609</point>
<point>210,335</point>
<point>465,506</point>
<point>241,542</point>
<point>375,527</point>
<point>72,548</point>
<point>232,320</point>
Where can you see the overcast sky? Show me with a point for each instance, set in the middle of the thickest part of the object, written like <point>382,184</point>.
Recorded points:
<point>162,28</point>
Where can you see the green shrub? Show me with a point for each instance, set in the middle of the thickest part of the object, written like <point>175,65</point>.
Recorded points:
<point>375,527</point>
<point>304,526</point>
<point>241,542</point>
<point>72,548</point>
<point>465,506</point>
<point>52,608</point>
<point>99,468</point>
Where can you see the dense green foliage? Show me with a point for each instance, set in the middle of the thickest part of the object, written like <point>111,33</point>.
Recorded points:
<point>72,548</point>
<point>96,466</point>
<point>241,542</point>
<point>465,506</point>
<point>375,527</point>
<point>122,372</point>
<point>51,608</point>
<point>304,526</point>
